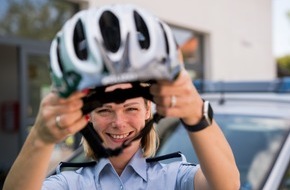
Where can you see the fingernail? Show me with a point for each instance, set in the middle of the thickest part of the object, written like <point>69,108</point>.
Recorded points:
<point>87,117</point>
<point>86,91</point>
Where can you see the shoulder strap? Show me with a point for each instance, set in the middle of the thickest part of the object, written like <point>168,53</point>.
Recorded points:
<point>166,156</point>
<point>74,165</point>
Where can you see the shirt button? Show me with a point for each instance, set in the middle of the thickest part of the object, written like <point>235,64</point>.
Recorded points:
<point>121,187</point>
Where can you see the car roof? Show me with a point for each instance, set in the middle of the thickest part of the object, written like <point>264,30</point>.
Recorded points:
<point>258,104</point>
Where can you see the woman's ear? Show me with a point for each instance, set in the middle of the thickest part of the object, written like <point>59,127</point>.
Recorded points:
<point>148,110</point>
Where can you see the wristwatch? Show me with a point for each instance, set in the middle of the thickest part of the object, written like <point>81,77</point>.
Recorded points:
<point>205,121</point>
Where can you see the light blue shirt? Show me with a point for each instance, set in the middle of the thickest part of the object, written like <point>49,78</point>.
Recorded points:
<point>138,174</point>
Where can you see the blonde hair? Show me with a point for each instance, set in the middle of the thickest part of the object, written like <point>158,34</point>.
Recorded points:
<point>149,143</point>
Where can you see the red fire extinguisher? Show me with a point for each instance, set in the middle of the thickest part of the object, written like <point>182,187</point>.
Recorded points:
<point>10,116</point>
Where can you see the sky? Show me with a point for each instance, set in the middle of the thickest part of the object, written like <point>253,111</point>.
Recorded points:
<point>281,27</point>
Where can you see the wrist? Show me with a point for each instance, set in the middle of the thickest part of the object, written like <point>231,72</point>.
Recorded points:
<point>37,141</point>
<point>193,119</point>
<point>204,121</point>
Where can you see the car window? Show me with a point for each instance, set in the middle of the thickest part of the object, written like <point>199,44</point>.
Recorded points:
<point>255,141</point>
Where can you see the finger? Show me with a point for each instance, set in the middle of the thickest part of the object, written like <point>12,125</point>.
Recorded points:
<point>165,90</point>
<point>181,102</point>
<point>75,127</point>
<point>67,107</point>
<point>183,105</point>
<point>68,119</point>
<point>183,75</point>
<point>57,134</point>
<point>58,122</point>
<point>50,99</point>
<point>54,98</point>
<point>169,112</point>
<point>74,96</point>
<point>60,115</point>
<point>176,88</point>
<point>55,106</point>
<point>167,101</point>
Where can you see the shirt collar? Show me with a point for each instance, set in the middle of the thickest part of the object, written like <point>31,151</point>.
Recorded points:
<point>102,163</point>
<point>137,163</point>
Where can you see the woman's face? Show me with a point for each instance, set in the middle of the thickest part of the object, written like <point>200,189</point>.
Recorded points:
<point>117,123</point>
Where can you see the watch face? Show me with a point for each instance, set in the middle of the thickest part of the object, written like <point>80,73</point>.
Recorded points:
<point>210,112</point>
<point>207,112</point>
<point>205,108</point>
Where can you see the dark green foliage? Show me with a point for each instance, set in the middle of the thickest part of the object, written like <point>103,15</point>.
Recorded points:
<point>283,64</point>
<point>34,19</point>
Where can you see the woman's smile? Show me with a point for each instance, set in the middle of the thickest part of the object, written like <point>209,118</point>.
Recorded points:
<point>120,137</point>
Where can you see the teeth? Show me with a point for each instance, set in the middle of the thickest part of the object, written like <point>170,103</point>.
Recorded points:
<point>120,136</point>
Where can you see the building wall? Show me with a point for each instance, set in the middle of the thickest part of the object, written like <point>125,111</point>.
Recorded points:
<point>9,93</point>
<point>238,41</point>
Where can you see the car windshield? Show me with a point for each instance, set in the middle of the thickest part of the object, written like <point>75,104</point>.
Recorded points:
<point>255,141</point>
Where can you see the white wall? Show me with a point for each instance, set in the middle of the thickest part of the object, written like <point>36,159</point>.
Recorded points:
<point>238,33</point>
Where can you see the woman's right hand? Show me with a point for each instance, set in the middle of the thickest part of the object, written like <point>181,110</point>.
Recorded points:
<point>58,117</point>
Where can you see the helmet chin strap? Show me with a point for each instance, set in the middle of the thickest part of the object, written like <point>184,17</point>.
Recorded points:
<point>97,98</point>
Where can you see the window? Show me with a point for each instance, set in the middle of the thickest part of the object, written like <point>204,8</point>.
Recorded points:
<point>191,44</point>
<point>255,142</point>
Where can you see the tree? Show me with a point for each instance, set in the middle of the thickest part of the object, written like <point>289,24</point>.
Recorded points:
<point>35,19</point>
<point>283,63</point>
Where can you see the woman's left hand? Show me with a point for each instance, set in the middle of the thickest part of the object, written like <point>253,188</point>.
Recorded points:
<point>178,98</point>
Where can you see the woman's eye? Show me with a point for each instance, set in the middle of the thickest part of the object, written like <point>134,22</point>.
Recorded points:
<point>103,111</point>
<point>132,109</point>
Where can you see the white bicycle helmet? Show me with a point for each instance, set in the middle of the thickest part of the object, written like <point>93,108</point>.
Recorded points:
<point>112,44</point>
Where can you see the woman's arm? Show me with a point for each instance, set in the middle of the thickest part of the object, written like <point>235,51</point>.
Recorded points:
<point>216,160</point>
<point>30,168</point>
<point>218,167</point>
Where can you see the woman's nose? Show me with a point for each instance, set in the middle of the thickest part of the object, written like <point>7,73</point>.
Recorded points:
<point>119,120</point>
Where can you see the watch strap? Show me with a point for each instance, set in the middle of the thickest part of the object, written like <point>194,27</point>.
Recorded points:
<point>203,123</point>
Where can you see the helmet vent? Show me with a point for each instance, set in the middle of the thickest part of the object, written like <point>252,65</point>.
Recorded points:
<point>143,34</point>
<point>58,55</point>
<point>79,41</point>
<point>166,39</point>
<point>110,30</point>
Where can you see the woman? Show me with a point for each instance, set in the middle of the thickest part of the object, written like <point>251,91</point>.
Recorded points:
<point>120,122</point>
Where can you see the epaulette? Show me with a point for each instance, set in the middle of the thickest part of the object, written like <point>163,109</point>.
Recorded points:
<point>74,165</point>
<point>169,156</point>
